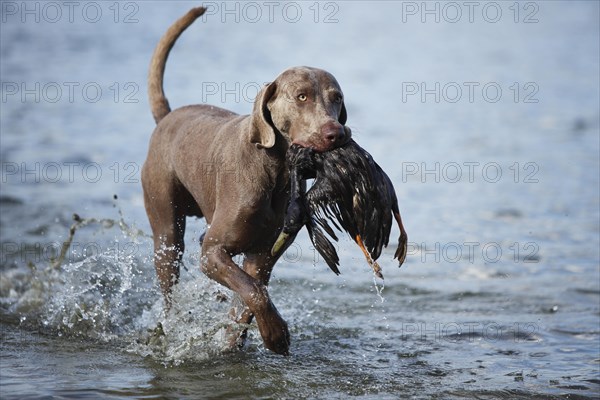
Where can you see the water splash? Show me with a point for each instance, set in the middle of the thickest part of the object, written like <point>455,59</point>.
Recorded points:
<point>379,288</point>
<point>195,329</point>
<point>105,223</point>
<point>112,296</point>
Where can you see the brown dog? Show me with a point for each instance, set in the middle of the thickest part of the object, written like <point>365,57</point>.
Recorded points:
<point>208,162</point>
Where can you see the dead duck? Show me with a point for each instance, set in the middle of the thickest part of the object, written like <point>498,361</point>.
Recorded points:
<point>351,192</point>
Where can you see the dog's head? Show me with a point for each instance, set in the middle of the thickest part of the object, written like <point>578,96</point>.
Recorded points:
<point>306,106</point>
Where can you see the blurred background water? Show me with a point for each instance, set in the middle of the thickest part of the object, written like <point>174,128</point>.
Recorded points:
<point>484,114</point>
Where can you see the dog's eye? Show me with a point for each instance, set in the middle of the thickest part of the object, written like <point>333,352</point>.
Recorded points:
<point>302,97</point>
<point>337,99</point>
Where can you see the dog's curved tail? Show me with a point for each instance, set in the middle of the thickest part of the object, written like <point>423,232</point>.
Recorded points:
<point>158,101</point>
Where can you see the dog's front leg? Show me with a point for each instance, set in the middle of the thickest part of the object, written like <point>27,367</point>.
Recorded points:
<point>258,265</point>
<point>218,265</point>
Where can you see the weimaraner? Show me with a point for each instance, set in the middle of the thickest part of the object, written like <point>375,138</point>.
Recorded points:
<point>208,162</point>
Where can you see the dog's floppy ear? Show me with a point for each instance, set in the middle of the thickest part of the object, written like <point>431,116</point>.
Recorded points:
<point>343,115</point>
<point>263,130</point>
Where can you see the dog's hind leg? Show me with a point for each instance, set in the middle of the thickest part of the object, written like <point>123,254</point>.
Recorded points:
<point>167,221</point>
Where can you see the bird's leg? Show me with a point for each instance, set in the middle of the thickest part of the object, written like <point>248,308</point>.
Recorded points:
<point>374,265</point>
<point>402,240</point>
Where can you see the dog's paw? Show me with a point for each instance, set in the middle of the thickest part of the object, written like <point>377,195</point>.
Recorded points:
<point>274,331</point>
<point>278,341</point>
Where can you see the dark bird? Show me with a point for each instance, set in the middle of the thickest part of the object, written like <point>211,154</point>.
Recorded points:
<point>350,192</point>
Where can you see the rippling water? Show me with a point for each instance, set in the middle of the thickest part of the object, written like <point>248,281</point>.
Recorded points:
<point>486,120</point>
